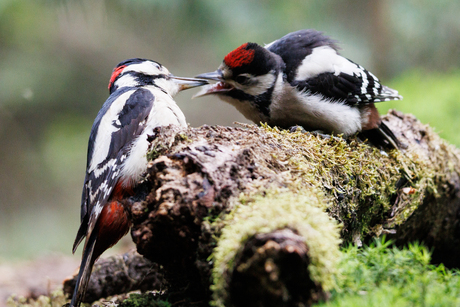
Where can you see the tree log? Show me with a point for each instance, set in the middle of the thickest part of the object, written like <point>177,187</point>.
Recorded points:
<point>119,274</point>
<point>200,181</point>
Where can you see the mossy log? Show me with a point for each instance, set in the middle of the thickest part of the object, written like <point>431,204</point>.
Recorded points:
<point>228,211</point>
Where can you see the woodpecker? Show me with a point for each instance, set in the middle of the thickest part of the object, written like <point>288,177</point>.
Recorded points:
<point>141,98</point>
<point>301,79</point>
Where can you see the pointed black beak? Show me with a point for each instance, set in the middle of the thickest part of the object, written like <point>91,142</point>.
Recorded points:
<point>186,83</point>
<point>220,87</point>
<point>215,75</point>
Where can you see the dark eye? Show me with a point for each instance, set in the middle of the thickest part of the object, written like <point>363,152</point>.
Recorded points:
<point>242,79</point>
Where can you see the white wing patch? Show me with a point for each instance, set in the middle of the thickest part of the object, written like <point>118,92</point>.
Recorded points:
<point>322,60</point>
<point>104,133</point>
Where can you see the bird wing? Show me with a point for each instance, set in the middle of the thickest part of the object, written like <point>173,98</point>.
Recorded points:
<point>294,47</point>
<point>121,119</point>
<point>314,66</point>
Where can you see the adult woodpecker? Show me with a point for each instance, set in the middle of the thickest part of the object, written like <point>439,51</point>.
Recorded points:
<point>300,79</point>
<point>141,98</point>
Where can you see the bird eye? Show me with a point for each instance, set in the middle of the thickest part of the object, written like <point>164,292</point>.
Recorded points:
<point>242,79</point>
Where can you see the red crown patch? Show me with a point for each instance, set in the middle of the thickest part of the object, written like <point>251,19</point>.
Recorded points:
<point>115,74</point>
<point>239,57</point>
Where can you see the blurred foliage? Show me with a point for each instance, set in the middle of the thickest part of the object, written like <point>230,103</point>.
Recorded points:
<point>56,57</point>
<point>382,275</point>
<point>55,299</point>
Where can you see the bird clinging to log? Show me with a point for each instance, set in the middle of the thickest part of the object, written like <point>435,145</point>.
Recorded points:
<point>141,98</point>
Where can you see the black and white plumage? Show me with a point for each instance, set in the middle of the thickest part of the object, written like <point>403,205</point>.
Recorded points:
<point>301,79</point>
<point>141,98</point>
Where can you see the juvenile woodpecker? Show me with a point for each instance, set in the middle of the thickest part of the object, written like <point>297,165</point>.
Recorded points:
<point>141,98</point>
<point>300,79</point>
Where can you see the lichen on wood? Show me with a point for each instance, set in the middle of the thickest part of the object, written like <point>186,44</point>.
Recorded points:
<point>199,175</point>
<point>199,178</point>
<point>287,239</point>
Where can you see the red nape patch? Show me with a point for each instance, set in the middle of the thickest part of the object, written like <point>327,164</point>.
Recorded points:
<point>239,57</point>
<point>115,74</point>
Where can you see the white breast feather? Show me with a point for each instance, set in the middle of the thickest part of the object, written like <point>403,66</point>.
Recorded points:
<point>291,107</point>
<point>164,112</point>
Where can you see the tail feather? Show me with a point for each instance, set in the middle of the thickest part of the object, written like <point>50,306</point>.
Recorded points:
<point>387,94</point>
<point>389,136</point>
<point>382,136</point>
<point>81,234</point>
<point>85,271</point>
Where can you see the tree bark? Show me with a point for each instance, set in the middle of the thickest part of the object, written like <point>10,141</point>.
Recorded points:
<point>201,180</point>
<point>119,274</point>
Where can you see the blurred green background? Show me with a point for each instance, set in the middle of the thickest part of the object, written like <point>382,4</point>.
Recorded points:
<point>56,58</point>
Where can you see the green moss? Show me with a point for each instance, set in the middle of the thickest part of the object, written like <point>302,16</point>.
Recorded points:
<point>382,275</point>
<point>278,210</point>
<point>156,150</point>
<point>144,300</point>
<point>358,179</point>
<point>170,138</point>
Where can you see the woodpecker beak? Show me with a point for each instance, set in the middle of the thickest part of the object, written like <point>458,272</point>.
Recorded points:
<point>215,75</point>
<point>218,88</point>
<point>186,83</point>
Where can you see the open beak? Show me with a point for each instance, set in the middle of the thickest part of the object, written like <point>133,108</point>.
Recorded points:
<point>215,75</point>
<point>186,83</point>
<point>219,87</point>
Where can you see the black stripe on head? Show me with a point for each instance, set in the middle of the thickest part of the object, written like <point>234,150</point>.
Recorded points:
<point>134,61</point>
<point>144,79</point>
<point>118,70</point>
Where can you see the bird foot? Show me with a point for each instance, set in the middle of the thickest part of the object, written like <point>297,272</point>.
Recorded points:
<point>318,133</point>
<point>297,128</point>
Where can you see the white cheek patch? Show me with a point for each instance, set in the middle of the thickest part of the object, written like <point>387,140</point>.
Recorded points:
<point>125,80</point>
<point>171,87</point>
<point>262,84</point>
